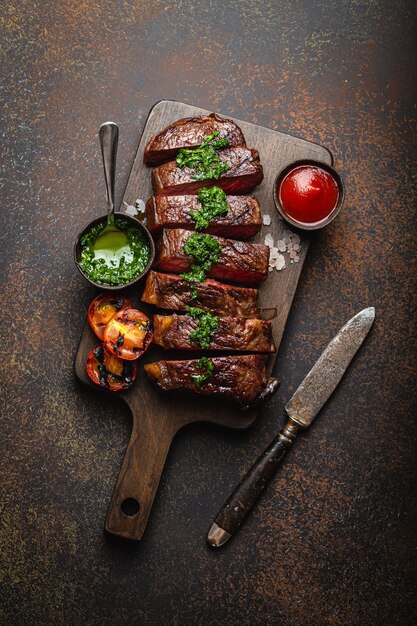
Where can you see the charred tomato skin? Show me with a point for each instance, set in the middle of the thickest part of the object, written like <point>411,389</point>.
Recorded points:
<point>102,309</point>
<point>108,371</point>
<point>128,334</point>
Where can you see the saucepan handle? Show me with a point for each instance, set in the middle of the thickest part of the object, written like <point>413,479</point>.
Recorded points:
<point>139,477</point>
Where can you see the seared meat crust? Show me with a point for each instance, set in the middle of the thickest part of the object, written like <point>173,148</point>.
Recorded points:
<point>189,132</point>
<point>170,291</point>
<point>243,219</point>
<point>233,333</point>
<point>242,379</point>
<point>240,262</point>
<point>244,175</point>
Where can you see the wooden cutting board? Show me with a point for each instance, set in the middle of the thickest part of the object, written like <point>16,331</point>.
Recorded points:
<point>158,417</point>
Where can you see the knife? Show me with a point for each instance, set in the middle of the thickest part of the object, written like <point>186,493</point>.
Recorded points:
<point>303,407</point>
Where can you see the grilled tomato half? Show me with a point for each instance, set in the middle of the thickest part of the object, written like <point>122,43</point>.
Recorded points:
<point>102,309</point>
<point>110,372</point>
<point>128,334</point>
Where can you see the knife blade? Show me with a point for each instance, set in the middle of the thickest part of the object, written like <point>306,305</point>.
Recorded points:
<point>301,409</point>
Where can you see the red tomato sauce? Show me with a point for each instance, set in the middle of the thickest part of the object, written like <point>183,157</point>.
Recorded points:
<point>308,194</point>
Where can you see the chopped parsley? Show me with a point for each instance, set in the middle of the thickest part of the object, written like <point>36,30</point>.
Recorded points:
<point>204,158</point>
<point>207,366</point>
<point>195,311</point>
<point>205,251</point>
<point>213,202</point>
<point>207,325</point>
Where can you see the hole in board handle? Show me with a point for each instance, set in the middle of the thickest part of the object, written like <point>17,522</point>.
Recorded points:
<point>130,507</point>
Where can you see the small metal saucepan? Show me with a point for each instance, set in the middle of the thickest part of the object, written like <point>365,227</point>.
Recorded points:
<point>109,133</point>
<point>136,224</point>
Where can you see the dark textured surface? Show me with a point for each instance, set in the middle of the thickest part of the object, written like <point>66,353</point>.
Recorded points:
<point>333,539</point>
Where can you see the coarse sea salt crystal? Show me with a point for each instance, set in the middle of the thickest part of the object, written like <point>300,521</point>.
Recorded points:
<point>266,219</point>
<point>140,205</point>
<point>137,208</point>
<point>130,210</point>
<point>269,241</point>
<point>281,245</point>
<point>273,253</point>
<point>280,262</point>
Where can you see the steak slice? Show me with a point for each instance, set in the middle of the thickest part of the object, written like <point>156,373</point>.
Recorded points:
<point>242,379</point>
<point>189,133</point>
<point>169,291</point>
<point>244,174</point>
<point>238,334</point>
<point>240,262</point>
<point>242,221</point>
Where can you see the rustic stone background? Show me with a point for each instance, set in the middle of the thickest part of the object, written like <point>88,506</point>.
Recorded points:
<point>333,540</point>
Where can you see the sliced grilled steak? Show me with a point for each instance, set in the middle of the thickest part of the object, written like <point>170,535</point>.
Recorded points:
<point>238,334</point>
<point>242,379</point>
<point>189,133</point>
<point>243,219</point>
<point>169,291</point>
<point>244,174</point>
<point>240,262</point>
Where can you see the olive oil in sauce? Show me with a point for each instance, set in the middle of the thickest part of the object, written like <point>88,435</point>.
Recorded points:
<point>112,246</point>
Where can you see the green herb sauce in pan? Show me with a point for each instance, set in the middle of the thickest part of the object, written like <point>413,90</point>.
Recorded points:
<point>131,261</point>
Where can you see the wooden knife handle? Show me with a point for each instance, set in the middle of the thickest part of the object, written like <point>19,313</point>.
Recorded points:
<point>244,497</point>
<point>139,477</point>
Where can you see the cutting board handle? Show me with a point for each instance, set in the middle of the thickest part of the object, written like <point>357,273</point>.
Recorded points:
<point>139,476</point>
